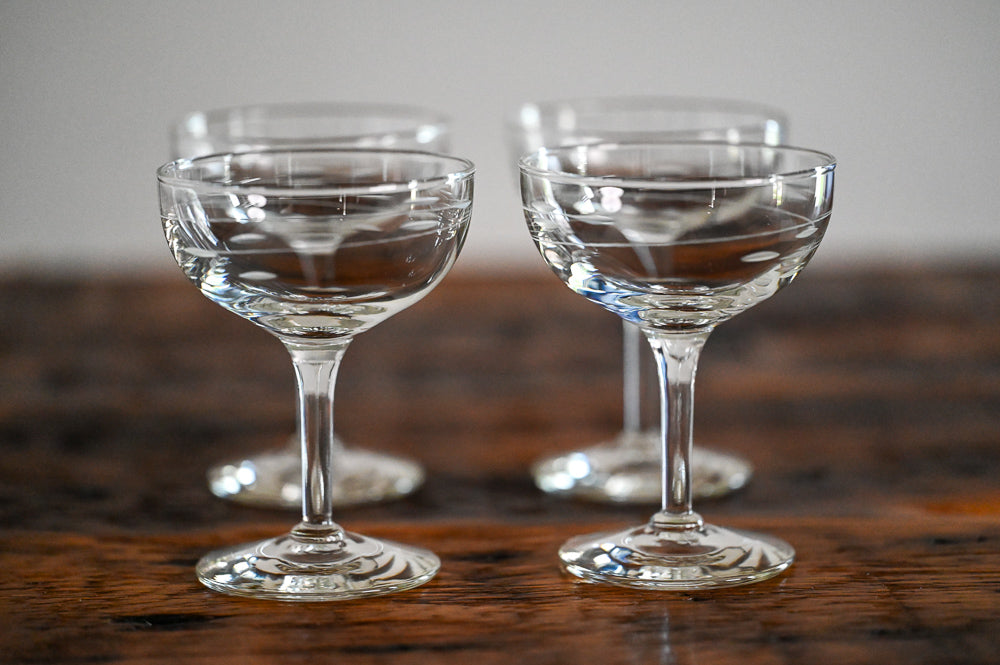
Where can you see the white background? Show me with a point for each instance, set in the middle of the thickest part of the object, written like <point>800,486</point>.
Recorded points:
<point>905,94</point>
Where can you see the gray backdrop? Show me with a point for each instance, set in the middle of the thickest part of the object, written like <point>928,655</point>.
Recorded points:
<point>905,94</point>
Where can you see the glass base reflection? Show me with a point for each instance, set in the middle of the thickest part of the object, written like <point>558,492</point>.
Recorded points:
<point>655,556</point>
<point>627,470</point>
<point>274,480</point>
<point>308,565</point>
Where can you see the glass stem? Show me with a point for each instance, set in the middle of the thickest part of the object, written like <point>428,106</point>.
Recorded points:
<point>631,379</point>
<point>677,362</point>
<point>316,375</point>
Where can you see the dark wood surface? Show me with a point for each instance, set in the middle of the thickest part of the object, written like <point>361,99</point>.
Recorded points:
<point>868,401</point>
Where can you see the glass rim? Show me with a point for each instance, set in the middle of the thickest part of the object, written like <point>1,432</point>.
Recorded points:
<point>825,163</point>
<point>646,103</point>
<point>464,169</point>
<point>422,116</point>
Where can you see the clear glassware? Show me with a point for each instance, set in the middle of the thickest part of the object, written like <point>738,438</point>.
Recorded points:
<point>272,478</point>
<point>676,238</point>
<point>316,246</point>
<point>309,125</point>
<point>627,468</point>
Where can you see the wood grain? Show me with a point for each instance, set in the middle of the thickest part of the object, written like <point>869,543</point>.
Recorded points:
<point>861,591</point>
<point>868,401</point>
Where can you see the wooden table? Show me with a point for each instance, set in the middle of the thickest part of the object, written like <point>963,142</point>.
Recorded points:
<point>868,401</point>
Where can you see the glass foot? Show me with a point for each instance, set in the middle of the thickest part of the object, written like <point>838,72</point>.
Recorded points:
<point>274,480</point>
<point>702,557</point>
<point>303,566</point>
<point>627,469</point>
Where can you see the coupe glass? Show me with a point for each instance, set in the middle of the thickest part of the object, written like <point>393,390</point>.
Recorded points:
<point>316,246</point>
<point>271,479</point>
<point>626,468</point>
<point>676,238</point>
